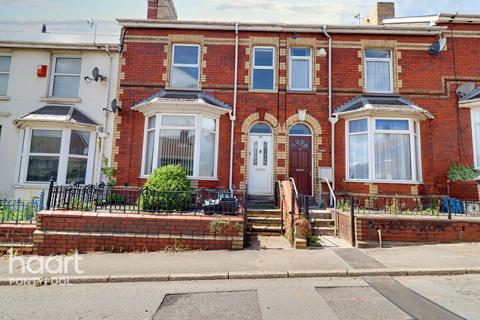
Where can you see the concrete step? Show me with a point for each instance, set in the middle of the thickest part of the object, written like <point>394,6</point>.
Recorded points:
<point>323,231</point>
<point>321,214</point>
<point>322,222</point>
<point>264,213</point>
<point>265,221</point>
<point>22,248</point>
<point>265,230</point>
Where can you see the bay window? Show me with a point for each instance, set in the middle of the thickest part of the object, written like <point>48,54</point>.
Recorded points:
<point>475,115</point>
<point>186,140</point>
<point>300,69</point>
<point>66,77</point>
<point>378,71</point>
<point>263,68</point>
<point>185,66</point>
<point>382,149</point>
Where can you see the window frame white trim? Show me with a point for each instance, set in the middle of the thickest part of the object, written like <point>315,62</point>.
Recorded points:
<point>8,73</point>
<point>64,155</point>
<point>415,157</point>
<point>196,155</point>
<point>310,69</point>
<point>180,65</point>
<point>273,68</point>
<point>389,60</point>
<point>476,162</point>
<point>53,74</point>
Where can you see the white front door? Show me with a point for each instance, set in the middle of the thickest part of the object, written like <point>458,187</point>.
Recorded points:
<point>260,165</point>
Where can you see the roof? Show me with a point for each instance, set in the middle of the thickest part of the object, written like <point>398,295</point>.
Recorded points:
<point>433,19</point>
<point>60,114</point>
<point>474,95</point>
<point>191,96</point>
<point>371,103</point>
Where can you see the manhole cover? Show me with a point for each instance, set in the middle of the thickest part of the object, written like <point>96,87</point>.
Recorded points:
<point>232,305</point>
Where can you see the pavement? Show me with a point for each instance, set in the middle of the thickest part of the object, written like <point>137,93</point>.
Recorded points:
<point>267,259</point>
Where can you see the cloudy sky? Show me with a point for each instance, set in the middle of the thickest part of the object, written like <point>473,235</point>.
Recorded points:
<point>24,15</point>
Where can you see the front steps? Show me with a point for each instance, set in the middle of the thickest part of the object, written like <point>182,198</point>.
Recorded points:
<point>322,222</point>
<point>264,222</point>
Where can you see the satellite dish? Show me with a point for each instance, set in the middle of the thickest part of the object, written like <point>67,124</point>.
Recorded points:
<point>115,106</point>
<point>465,89</point>
<point>437,47</point>
<point>96,75</point>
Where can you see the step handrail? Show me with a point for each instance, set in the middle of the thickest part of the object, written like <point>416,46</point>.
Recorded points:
<point>334,198</point>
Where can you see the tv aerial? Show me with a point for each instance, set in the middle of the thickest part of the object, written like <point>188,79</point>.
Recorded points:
<point>96,76</point>
<point>437,47</point>
<point>465,89</point>
<point>114,107</point>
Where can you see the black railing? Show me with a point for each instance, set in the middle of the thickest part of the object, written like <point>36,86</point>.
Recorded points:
<point>144,200</point>
<point>304,206</point>
<point>439,206</point>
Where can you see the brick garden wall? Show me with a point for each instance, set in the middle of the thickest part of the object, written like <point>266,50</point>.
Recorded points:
<point>17,233</point>
<point>62,232</point>
<point>344,226</point>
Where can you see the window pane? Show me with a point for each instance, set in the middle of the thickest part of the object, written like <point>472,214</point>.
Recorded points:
<point>148,167</point>
<point>41,169</point>
<point>79,142</point>
<point>255,153</point>
<point>358,156</point>
<point>5,63</point>
<point>356,126</point>
<point>46,141</point>
<point>392,124</point>
<point>77,170</point>
<point>209,124</point>
<point>261,128</point>
<point>300,52</point>
<point>3,84</point>
<point>178,121</point>
<point>263,79</point>
<point>393,157</point>
<point>177,147</point>
<point>300,74</point>
<point>152,122</point>
<point>263,57</point>
<point>379,54</point>
<point>186,55</point>
<point>207,154</point>
<point>300,129</point>
<point>477,141</point>
<point>66,86</point>
<point>68,65</point>
<point>185,77</point>
<point>265,153</point>
<point>378,76</point>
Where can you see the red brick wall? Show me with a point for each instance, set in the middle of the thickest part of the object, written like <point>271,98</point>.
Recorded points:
<point>17,233</point>
<point>464,190</point>
<point>61,232</point>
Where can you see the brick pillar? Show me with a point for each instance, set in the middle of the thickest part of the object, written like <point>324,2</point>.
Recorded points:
<point>381,11</point>
<point>162,10</point>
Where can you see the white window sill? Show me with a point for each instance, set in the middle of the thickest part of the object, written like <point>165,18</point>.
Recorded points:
<point>263,91</point>
<point>302,91</point>
<point>385,181</point>
<point>31,186</point>
<point>60,100</point>
<point>4,98</point>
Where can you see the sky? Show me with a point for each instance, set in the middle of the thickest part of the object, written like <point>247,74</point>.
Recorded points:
<point>18,16</point>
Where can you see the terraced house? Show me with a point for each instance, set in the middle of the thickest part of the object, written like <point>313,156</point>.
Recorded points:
<point>372,108</point>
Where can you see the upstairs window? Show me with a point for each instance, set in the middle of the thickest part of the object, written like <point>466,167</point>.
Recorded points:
<point>66,77</point>
<point>300,69</point>
<point>263,68</point>
<point>378,71</point>
<point>185,66</point>
<point>5,62</point>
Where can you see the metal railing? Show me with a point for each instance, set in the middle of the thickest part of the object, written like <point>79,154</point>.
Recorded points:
<point>18,211</point>
<point>144,200</point>
<point>334,200</point>
<point>438,206</point>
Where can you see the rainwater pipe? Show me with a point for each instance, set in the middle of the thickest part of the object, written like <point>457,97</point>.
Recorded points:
<point>233,114</point>
<point>333,120</point>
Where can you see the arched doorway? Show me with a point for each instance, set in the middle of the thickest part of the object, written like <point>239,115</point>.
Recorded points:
<point>260,160</point>
<point>300,157</point>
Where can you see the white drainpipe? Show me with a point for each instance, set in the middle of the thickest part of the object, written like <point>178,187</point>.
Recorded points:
<point>233,114</point>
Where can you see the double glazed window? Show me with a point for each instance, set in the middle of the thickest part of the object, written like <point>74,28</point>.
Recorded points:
<point>263,68</point>
<point>185,66</point>
<point>187,140</point>
<point>300,69</point>
<point>475,114</point>
<point>66,77</point>
<point>378,71</point>
<point>61,154</point>
<point>5,62</point>
<point>383,150</point>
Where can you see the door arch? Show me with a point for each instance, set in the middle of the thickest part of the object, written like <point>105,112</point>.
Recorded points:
<point>300,157</point>
<point>260,159</point>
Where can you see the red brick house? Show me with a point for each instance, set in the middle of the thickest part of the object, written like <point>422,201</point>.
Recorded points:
<point>240,104</point>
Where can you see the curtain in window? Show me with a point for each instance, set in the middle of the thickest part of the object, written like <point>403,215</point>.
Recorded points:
<point>300,74</point>
<point>207,154</point>
<point>378,76</point>
<point>149,152</point>
<point>177,147</point>
<point>358,156</point>
<point>392,157</point>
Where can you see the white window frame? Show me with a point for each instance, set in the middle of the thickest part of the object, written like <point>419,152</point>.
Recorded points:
<point>196,154</point>
<point>7,72</point>
<point>415,157</point>
<point>180,65</point>
<point>476,144</point>
<point>53,74</point>
<point>390,62</point>
<point>272,67</point>
<point>310,71</point>
<point>64,155</point>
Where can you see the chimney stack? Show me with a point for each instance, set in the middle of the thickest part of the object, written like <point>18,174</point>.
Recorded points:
<point>161,10</point>
<point>381,11</point>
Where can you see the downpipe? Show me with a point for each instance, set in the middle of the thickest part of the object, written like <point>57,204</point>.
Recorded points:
<point>233,114</point>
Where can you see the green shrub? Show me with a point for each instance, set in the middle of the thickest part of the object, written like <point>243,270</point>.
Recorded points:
<point>169,190</point>
<point>461,172</point>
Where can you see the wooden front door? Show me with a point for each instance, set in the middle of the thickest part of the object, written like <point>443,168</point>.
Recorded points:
<point>300,163</point>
